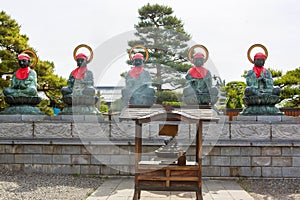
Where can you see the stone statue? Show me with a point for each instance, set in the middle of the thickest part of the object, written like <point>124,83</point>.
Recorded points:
<point>79,95</point>
<point>260,94</point>
<point>199,89</point>
<point>138,90</point>
<point>24,80</point>
<point>22,95</point>
<point>81,81</point>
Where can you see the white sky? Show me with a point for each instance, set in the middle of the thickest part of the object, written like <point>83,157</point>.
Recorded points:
<point>227,28</point>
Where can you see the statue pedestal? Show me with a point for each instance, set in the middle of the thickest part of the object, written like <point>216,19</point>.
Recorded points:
<point>80,105</point>
<point>22,105</point>
<point>261,105</point>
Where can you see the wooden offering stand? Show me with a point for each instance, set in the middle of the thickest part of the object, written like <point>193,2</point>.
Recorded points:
<point>157,176</point>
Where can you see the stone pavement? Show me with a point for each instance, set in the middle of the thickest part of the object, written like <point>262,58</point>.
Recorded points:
<point>121,188</point>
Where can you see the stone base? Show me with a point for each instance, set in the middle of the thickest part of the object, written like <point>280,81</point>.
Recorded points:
<point>80,100</point>
<point>81,110</point>
<point>22,110</point>
<point>261,110</point>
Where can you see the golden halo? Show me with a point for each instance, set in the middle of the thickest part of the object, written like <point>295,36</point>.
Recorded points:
<point>137,47</point>
<point>86,46</point>
<point>197,46</point>
<point>32,53</point>
<point>252,47</point>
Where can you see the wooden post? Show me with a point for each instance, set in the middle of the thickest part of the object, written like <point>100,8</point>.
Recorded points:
<point>138,155</point>
<point>199,159</point>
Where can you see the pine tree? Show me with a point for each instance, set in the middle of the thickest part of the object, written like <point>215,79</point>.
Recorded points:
<point>12,43</point>
<point>166,40</point>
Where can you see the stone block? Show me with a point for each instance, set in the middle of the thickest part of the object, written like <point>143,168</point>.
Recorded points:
<point>285,118</point>
<point>81,159</point>
<point>296,161</point>
<point>42,159</point>
<point>225,171</point>
<point>57,149</point>
<point>103,149</point>
<point>71,149</point>
<point>211,171</point>
<point>125,169</point>
<point>240,161</point>
<point>230,151</point>
<point>91,169</point>
<point>93,118</point>
<point>269,172</point>
<point>127,130</point>
<point>291,172</point>
<point>251,118</point>
<point>220,160</point>
<point>211,150</point>
<point>121,159</point>
<point>250,131</point>
<point>90,130</point>
<point>214,131</point>
<point>106,170</point>
<point>250,171</point>
<point>10,118</point>
<point>66,169</point>
<point>286,131</point>
<point>261,161</point>
<point>250,151</point>
<point>269,118</point>
<point>72,118</point>
<point>62,159</point>
<point>34,149</point>
<point>291,151</point>
<point>23,158</point>
<point>47,149</point>
<point>16,130</point>
<point>100,159</point>
<point>271,151</point>
<point>11,148</point>
<point>281,161</point>
<point>7,158</point>
<point>205,160</point>
<point>52,130</point>
<point>32,118</point>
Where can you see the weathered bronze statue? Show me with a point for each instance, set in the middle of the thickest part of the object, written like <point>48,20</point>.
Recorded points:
<point>22,95</point>
<point>260,94</point>
<point>199,90</point>
<point>138,90</point>
<point>79,95</point>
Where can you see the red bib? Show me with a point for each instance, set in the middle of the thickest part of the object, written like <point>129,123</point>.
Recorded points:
<point>136,71</point>
<point>198,72</point>
<point>79,72</point>
<point>22,73</point>
<point>258,70</point>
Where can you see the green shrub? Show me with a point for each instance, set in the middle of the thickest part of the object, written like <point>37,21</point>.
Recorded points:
<point>168,95</point>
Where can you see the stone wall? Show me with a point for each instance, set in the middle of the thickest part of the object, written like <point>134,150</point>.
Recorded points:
<point>247,147</point>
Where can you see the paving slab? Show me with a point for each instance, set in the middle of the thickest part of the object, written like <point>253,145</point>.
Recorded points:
<point>121,188</point>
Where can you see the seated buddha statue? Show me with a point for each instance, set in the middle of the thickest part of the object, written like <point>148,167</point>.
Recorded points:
<point>138,90</point>
<point>260,95</point>
<point>81,81</point>
<point>199,90</point>
<point>24,80</point>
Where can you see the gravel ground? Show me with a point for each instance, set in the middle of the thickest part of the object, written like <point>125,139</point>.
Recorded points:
<point>20,186</point>
<point>272,189</point>
<point>17,186</point>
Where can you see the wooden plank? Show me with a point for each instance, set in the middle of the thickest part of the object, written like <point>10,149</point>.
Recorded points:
<point>161,178</point>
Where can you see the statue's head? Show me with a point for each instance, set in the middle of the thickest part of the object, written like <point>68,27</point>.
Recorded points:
<point>138,60</point>
<point>24,60</point>
<point>198,59</point>
<point>259,59</point>
<point>81,60</point>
